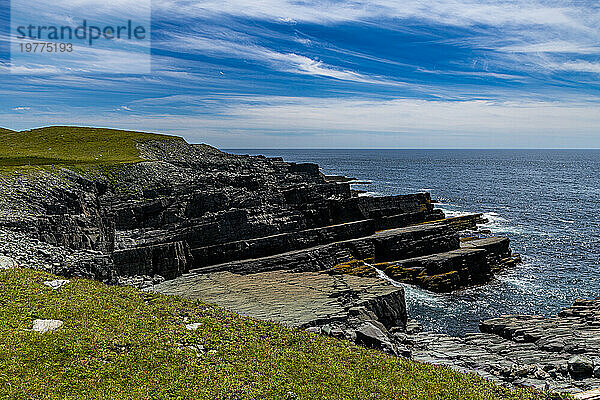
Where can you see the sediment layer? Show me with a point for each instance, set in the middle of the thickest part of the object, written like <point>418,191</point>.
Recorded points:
<point>560,353</point>
<point>194,208</point>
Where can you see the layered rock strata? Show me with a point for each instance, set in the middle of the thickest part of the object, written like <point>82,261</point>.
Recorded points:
<point>363,310</point>
<point>263,237</point>
<point>194,208</point>
<point>561,353</point>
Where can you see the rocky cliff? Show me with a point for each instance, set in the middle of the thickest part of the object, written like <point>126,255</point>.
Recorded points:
<point>560,353</point>
<point>191,208</point>
<point>260,236</point>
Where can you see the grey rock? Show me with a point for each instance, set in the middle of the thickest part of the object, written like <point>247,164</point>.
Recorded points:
<point>561,351</point>
<point>298,299</point>
<point>56,284</point>
<point>46,325</point>
<point>7,263</point>
<point>371,336</point>
<point>193,327</point>
<point>581,367</point>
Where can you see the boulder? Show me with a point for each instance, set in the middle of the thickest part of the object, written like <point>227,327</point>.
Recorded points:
<point>371,336</point>
<point>580,367</point>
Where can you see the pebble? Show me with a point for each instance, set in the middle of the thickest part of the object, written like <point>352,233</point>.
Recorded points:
<point>46,325</point>
<point>56,284</point>
<point>193,327</point>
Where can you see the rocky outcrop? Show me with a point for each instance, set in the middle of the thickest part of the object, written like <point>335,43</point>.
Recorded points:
<point>194,208</point>
<point>363,310</point>
<point>260,236</point>
<point>560,353</point>
<point>169,260</point>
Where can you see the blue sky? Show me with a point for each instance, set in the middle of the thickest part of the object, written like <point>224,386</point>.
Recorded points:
<point>336,74</point>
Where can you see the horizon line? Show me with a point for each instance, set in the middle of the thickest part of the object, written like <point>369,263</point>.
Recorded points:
<point>409,148</point>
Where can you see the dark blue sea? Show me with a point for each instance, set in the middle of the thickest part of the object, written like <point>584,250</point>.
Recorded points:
<point>546,201</point>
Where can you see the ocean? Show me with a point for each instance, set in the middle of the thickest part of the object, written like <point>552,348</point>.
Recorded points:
<point>546,201</point>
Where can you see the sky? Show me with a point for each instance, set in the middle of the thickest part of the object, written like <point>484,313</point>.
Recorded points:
<point>323,74</point>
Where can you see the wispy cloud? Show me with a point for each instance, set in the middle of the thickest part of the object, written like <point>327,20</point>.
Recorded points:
<point>455,12</point>
<point>284,62</point>
<point>329,122</point>
<point>580,66</point>
<point>378,73</point>
<point>558,46</point>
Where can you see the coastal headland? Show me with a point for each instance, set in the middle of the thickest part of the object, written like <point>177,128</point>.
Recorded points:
<point>275,241</point>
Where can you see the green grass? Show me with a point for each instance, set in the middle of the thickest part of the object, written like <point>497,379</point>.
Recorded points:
<point>121,343</point>
<point>64,145</point>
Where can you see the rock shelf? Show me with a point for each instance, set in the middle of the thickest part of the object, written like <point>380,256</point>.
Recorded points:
<point>561,353</point>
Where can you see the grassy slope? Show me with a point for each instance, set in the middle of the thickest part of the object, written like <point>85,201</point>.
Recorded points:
<point>71,145</point>
<point>121,343</point>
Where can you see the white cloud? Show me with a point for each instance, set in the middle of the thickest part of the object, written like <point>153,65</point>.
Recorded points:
<point>284,62</point>
<point>454,12</point>
<point>328,122</point>
<point>30,69</point>
<point>580,66</point>
<point>558,46</point>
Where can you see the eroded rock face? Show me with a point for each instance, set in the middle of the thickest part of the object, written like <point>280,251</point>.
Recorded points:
<point>560,353</point>
<point>263,237</point>
<point>194,208</point>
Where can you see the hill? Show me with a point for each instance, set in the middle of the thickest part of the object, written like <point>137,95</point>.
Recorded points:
<point>66,145</point>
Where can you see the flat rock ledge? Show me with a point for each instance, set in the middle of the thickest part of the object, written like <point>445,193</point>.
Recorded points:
<point>561,353</point>
<point>363,310</point>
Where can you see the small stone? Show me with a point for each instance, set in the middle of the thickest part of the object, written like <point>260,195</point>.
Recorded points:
<point>193,327</point>
<point>56,284</point>
<point>326,329</point>
<point>313,329</point>
<point>7,263</point>
<point>413,327</point>
<point>46,325</point>
<point>540,374</point>
<point>520,370</point>
<point>336,332</point>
